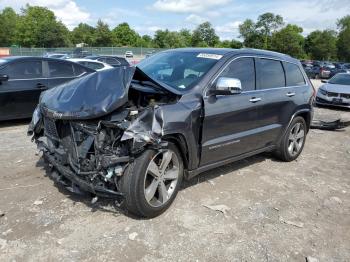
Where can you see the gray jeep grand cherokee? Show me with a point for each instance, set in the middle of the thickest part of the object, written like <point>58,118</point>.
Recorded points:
<point>133,134</point>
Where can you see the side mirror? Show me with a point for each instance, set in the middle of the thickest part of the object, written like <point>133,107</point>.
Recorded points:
<point>4,78</point>
<point>227,86</point>
<point>324,81</point>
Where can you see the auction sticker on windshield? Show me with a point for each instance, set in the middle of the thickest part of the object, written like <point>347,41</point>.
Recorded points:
<point>210,56</point>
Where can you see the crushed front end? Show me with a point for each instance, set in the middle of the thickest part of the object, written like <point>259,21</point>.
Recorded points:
<point>90,130</point>
<point>91,155</point>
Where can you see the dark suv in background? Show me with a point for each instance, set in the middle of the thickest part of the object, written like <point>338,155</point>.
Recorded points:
<point>137,132</point>
<point>22,79</point>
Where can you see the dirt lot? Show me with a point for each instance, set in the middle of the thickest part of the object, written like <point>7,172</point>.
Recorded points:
<point>277,211</point>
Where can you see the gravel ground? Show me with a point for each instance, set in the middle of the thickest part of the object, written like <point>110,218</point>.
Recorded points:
<point>273,211</point>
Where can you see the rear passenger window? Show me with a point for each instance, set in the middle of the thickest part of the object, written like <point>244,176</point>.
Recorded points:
<point>24,70</point>
<point>80,70</point>
<point>242,69</point>
<point>102,59</point>
<point>270,74</point>
<point>112,61</point>
<point>294,76</point>
<point>94,66</point>
<point>58,69</point>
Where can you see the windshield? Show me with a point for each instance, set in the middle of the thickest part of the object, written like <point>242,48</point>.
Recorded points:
<point>180,70</point>
<point>340,79</point>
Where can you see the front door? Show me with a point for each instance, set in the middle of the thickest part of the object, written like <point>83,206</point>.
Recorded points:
<point>20,94</point>
<point>230,125</point>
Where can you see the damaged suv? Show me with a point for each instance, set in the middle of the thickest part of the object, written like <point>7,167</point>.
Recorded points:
<point>133,134</point>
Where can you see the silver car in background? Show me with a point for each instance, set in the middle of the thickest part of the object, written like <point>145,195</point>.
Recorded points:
<point>335,92</point>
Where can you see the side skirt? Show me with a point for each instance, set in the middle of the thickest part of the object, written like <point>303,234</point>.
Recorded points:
<point>192,173</point>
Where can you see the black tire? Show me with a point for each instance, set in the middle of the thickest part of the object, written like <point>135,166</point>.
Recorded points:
<point>282,151</point>
<point>132,184</point>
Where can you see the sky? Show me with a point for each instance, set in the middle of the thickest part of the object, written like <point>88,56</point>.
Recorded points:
<point>147,16</point>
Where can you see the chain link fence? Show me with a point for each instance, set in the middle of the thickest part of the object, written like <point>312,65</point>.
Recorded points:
<point>119,51</point>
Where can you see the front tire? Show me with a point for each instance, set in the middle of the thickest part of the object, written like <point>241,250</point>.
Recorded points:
<point>151,182</point>
<point>293,141</point>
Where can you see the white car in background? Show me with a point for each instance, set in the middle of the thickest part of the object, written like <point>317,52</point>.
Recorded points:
<point>93,64</point>
<point>129,54</point>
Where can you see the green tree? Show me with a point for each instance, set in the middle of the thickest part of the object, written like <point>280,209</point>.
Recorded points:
<point>8,24</point>
<point>146,41</point>
<point>38,27</point>
<point>186,36</point>
<point>259,34</point>
<point>123,35</point>
<point>159,38</point>
<point>83,33</point>
<point>266,25</point>
<point>289,40</point>
<point>169,39</point>
<point>321,45</point>
<point>251,37</point>
<point>103,36</point>
<point>344,39</point>
<point>230,44</point>
<point>204,35</point>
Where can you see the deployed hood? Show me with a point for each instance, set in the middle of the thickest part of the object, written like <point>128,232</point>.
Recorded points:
<point>90,96</point>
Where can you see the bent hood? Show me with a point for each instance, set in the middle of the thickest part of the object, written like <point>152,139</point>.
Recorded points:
<point>90,96</point>
<point>343,89</point>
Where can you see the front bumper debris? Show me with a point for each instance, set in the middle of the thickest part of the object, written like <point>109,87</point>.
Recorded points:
<point>329,125</point>
<point>73,183</point>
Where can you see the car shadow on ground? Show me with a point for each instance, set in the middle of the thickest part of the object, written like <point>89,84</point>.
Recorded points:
<point>13,123</point>
<point>225,169</point>
<point>110,206</point>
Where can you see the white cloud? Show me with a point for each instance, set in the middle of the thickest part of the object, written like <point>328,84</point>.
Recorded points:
<point>230,27</point>
<point>195,19</point>
<point>313,14</point>
<point>228,30</point>
<point>187,6</point>
<point>65,10</point>
<point>119,15</point>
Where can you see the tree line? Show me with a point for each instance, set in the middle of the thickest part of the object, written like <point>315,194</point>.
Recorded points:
<point>37,26</point>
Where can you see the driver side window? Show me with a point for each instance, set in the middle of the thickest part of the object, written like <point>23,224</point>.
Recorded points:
<point>242,69</point>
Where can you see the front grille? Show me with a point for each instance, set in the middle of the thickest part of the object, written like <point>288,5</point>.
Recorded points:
<point>50,128</point>
<point>331,94</point>
<point>347,96</point>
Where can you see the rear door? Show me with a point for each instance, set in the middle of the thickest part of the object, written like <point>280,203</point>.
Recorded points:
<point>230,125</point>
<point>59,72</point>
<point>20,94</point>
<point>62,72</point>
<point>280,96</point>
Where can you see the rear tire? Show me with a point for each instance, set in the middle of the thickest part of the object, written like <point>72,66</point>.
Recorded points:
<point>148,190</point>
<point>293,141</point>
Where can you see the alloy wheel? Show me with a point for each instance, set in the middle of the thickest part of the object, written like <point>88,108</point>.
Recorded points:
<point>296,139</point>
<point>161,178</point>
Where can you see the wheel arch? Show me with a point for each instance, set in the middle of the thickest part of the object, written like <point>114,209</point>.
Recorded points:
<point>180,142</point>
<point>307,115</point>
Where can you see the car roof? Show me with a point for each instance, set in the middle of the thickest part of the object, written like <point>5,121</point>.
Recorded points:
<point>14,58</point>
<point>97,56</point>
<point>84,60</point>
<point>231,51</point>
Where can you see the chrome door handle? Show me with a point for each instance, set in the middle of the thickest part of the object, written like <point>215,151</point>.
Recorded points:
<point>255,99</point>
<point>290,94</point>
